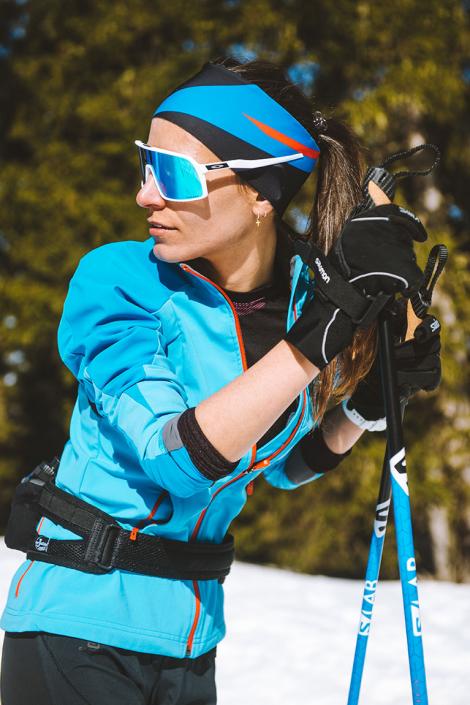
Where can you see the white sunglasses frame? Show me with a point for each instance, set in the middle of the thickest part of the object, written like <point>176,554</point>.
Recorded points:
<point>202,169</point>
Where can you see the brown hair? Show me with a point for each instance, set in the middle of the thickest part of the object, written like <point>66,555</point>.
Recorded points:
<point>339,171</point>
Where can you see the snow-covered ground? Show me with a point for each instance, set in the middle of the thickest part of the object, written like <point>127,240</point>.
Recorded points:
<point>290,639</point>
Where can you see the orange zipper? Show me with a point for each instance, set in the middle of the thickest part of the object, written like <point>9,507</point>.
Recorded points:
<point>197,594</point>
<point>237,320</point>
<point>17,590</point>
<point>237,326</point>
<point>136,529</point>
<point>20,580</point>
<point>262,463</point>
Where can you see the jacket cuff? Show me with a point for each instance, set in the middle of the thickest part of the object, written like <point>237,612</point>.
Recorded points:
<point>313,457</point>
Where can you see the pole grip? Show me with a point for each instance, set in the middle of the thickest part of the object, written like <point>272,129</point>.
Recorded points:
<point>412,321</point>
<point>379,197</point>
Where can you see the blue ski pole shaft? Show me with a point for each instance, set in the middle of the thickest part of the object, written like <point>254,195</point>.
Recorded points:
<point>371,580</point>
<point>402,512</point>
<point>417,328</point>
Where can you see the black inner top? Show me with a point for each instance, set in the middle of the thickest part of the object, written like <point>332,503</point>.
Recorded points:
<point>262,314</point>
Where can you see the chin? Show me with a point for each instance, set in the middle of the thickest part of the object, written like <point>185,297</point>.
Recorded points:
<point>168,253</point>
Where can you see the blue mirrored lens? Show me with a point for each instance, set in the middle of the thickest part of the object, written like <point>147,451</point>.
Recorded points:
<point>176,176</point>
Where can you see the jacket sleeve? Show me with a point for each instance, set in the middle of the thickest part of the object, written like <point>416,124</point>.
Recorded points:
<point>309,460</point>
<point>293,465</point>
<point>112,342</point>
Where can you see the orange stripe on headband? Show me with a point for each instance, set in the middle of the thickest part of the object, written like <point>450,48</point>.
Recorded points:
<point>275,134</point>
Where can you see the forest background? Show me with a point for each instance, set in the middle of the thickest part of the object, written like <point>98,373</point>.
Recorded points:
<point>79,80</point>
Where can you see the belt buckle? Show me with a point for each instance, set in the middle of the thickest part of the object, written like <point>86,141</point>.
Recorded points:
<point>105,548</point>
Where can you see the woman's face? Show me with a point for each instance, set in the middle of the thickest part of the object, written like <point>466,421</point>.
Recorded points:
<point>223,222</point>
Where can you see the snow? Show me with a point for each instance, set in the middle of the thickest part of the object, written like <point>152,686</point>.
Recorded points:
<point>291,638</point>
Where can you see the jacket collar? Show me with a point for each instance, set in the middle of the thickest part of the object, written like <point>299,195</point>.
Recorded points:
<point>289,244</point>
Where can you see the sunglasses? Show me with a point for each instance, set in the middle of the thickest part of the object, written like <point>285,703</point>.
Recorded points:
<point>180,178</point>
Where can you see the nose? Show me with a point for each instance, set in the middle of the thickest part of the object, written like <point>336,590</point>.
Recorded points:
<point>149,196</point>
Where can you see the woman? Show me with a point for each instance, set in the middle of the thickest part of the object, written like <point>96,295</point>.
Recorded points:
<point>203,360</point>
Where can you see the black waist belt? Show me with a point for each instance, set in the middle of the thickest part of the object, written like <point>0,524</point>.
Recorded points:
<point>105,544</point>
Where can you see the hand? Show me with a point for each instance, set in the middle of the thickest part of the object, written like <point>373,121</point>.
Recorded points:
<point>370,256</point>
<point>375,250</point>
<point>418,368</point>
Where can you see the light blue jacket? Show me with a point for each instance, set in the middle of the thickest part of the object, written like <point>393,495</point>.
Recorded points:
<point>147,339</point>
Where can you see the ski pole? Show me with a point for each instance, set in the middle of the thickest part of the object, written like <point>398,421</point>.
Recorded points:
<point>387,182</point>
<point>371,581</point>
<point>420,305</point>
<point>402,512</point>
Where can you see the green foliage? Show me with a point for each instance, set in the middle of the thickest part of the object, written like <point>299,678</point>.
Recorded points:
<point>81,86</point>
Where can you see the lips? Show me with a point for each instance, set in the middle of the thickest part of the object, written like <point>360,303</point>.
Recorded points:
<point>154,226</point>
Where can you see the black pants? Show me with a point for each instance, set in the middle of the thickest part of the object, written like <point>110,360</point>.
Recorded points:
<point>39,668</point>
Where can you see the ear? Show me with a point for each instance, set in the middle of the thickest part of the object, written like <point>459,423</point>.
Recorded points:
<point>260,205</point>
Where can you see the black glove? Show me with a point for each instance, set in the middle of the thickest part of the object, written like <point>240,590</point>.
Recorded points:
<point>418,367</point>
<point>374,252</point>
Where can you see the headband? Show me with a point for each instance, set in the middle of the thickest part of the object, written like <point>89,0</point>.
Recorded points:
<point>238,120</point>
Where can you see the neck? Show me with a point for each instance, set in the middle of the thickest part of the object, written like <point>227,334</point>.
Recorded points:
<point>244,266</point>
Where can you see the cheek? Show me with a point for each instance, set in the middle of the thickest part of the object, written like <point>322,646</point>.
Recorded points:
<point>225,218</point>
<point>227,226</point>
<point>230,207</point>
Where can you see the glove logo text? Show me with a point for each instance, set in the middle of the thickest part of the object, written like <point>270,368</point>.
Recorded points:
<point>323,274</point>
<point>407,212</point>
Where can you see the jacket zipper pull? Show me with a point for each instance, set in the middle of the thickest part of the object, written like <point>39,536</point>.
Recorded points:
<point>261,464</point>
<point>250,488</point>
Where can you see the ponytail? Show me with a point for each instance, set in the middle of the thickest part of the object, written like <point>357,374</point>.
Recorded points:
<point>340,171</point>
<point>339,177</point>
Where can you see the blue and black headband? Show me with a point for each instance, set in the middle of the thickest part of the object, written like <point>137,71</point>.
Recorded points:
<point>238,120</point>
